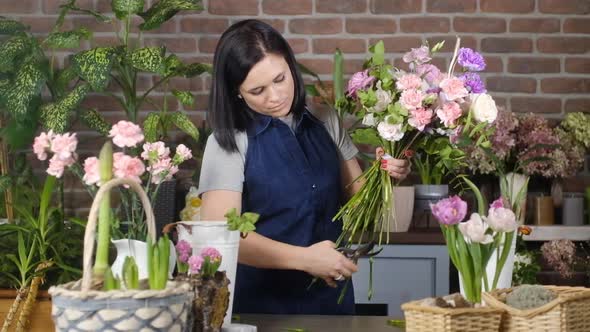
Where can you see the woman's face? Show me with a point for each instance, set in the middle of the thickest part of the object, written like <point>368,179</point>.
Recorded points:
<point>268,89</point>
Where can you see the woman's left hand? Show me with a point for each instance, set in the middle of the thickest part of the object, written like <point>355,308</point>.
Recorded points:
<point>397,168</point>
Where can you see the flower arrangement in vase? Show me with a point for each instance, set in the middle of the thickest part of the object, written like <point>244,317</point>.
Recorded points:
<point>471,243</point>
<point>399,109</point>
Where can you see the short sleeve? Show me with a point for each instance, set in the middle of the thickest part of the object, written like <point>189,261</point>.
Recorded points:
<point>340,136</point>
<point>222,170</point>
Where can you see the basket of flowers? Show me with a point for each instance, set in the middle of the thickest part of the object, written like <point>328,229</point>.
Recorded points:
<point>101,302</point>
<point>542,308</point>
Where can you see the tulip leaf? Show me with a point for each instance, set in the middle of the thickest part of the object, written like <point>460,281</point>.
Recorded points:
<point>481,203</point>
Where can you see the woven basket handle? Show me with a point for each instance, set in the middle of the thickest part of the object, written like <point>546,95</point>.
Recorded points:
<point>89,235</point>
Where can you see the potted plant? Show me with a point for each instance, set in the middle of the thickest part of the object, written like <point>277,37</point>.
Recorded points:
<point>41,248</point>
<point>157,304</point>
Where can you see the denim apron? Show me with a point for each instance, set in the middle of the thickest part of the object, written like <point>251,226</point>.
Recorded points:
<point>292,179</point>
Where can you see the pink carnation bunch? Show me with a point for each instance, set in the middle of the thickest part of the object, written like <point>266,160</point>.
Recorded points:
<point>63,147</point>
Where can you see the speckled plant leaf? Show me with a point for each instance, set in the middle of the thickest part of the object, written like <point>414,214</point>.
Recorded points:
<point>182,122</point>
<point>185,97</point>
<point>10,27</point>
<point>150,59</point>
<point>25,85</point>
<point>56,115</point>
<point>150,127</point>
<point>124,8</point>
<point>94,66</point>
<point>195,69</point>
<point>67,39</point>
<point>95,120</point>
<point>64,77</point>
<point>11,52</point>
<point>171,64</point>
<point>161,11</point>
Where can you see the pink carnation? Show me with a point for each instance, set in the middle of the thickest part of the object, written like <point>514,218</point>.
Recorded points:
<point>57,165</point>
<point>420,118</point>
<point>408,81</point>
<point>183,153</point>
<point>411,99</point>
<point>212,253</point>
<point>127,167</point>
<point>162,170</point>
<point>91,173</point>
<point>195,263</point>
<point>453,88</point>
<point>359,81</point>
<point>64,145</point>
<point>126,134</point>
<point>449,113</point>
<point>42,144</point>
<point>155,151</point>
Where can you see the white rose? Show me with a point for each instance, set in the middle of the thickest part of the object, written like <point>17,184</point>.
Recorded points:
<point>502,220</point>
<point>390,132</point>
<point>474,230</point>
<point>484,107</point>
<point>384,98</point>
<point>369,120</point>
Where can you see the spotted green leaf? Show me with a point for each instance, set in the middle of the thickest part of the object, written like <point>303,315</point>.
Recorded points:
<point>124,8</point>
<point>10,27</point>
<point>25,86</point>
<point>94,66</point>
<point>56,116</point>
<point>185,97</point>
<point>150,127</point>
<point>150,59</point>
<point>11,52</point>
<point>63,79</point>
<point>171,65</point>
<point>195,69</point>
<point>96,121</point>
<point>182,122</point>
<point>67,39</point>
<point>162,10</point>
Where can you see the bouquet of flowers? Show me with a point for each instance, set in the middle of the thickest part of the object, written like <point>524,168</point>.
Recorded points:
<point>130,163</point>
<point>471,243</point>
<point>398,109</point>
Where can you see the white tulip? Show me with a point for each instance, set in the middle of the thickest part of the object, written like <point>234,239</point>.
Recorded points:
<point>474,230</point>
<point>483,107</point>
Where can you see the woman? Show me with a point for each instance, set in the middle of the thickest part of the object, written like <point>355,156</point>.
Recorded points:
<point>270,155</point>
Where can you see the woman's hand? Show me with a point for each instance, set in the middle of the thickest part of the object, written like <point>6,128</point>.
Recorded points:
<point>324,261</point>
<point>397,168</point>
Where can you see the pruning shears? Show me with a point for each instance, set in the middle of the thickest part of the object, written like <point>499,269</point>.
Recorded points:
<point>363,250</point>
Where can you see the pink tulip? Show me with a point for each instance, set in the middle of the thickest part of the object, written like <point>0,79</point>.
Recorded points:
<point>449,211</point>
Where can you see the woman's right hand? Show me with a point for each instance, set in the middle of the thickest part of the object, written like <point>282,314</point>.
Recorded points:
<point>324,261</point>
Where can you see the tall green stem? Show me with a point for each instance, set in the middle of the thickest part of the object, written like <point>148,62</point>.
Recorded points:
<point>104,224</point>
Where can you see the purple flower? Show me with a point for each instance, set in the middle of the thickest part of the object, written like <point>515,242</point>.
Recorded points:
<point>212,253</point>
<point>429,72</point>
<point>449,211</point>
<point>473,82</point>
<point>499,203</point>
<point>183,249</point>
<point>195,263</point>
<point>359,81</point>
<point>471,60</point>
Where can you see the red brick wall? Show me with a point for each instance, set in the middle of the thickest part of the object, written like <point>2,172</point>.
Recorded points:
<point>538,51</point>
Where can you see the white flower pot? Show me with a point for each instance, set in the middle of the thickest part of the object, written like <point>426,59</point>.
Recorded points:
<point>137,250</point>
<point>201,234</point>
<point>515,182</point>
<point>403,206</point>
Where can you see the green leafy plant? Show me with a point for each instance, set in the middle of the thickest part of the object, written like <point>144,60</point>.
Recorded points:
<point>41,235</point>
<point>435,158</point>
<point>243,223</point>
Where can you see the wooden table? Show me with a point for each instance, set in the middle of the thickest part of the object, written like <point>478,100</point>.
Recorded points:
<point>317,323</point>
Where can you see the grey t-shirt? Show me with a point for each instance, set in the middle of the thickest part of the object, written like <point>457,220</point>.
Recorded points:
<point>222,170</point>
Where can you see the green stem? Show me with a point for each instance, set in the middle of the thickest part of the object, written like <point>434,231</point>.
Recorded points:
<point>508,237</point>
<point>104,224</point>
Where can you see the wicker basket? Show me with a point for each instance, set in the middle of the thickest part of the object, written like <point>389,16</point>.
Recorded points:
<point>421,318</point>
<point>568,312</point>
<point>76,307</point>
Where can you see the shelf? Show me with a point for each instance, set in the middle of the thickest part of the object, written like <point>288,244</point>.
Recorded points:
<point>557,232</point>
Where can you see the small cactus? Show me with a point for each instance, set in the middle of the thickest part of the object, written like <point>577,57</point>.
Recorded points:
<point>529,297</point>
